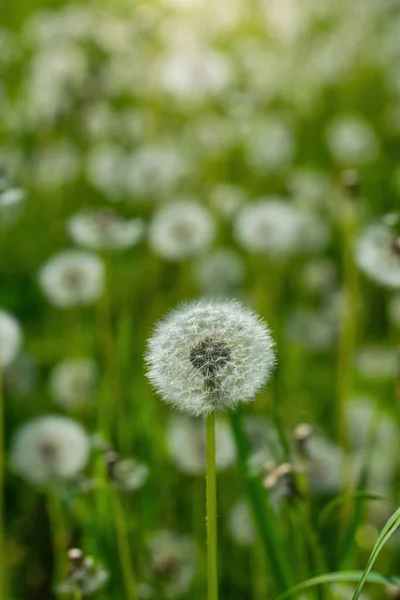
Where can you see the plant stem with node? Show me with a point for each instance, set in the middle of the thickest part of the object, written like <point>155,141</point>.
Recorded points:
<point>211,510</point>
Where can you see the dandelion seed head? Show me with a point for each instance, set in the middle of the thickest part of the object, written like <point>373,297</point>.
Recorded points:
<point>73,381</point>
<point>352,141</point>
<point>278,229</point>
<point>180,230</point>
<point>72,278</point>
<point>173,559</point>
<point>10,338</point>
<point>104,229</point>
<point>49,449</point>
<point>376,254</point>
<point>210,355</point>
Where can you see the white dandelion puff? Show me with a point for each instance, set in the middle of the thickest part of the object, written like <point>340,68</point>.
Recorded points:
<point>72,278</point>
<point>104,229</point>
<point>377,362</point>
<point>378,256</point>
<point>173,560</point>
<point>352,141</point>
<point>180,230</point>
<point>49,449</point>
<point>269,146</point>
<point>73,382</point>
<point>210,355</point>
<point>186,440</point>
<point>220,272</point>
<point>10,338</point>
<point>279,229</point>
<point>226,199</point>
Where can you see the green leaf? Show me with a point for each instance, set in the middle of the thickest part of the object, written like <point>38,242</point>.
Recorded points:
<point>387,531</point>
<point>339,577</point>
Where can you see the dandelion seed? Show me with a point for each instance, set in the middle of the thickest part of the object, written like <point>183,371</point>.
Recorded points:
<point>104,229</point>
<point>181,230</point>
<point>210,355</point>
<point>10,338</point>
<point>72,382</point>
<point>186,439</point>
<point>72,278</point>
<point>49,449</point>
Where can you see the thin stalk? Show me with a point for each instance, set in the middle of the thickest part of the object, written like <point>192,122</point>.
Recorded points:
<point>76,594</point>
<point>123,548</point>
<point>211,509</point>
<point>58,534</point>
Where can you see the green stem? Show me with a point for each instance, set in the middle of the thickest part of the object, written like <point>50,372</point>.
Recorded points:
<point>211,505</point>
<point>76,594</point>
<point>123,548</point>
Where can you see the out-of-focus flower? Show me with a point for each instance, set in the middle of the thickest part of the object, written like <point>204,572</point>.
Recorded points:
<point>309,188</point>
<point>20,376</point>
<point>86,576</point>
<point>180,230</point>
<point>72,278</point>
<point>73,382</point>
<point>314,330</point>
<point>49,449</point>
<point>154,171</point>
<point>56,165</point>
<point>186,439</point>
<point>240,524</point>
<point>220,272</point>
<point>378,362</point>
<point>104,229</point>
<point>377,254</point>
<point>11,202</point>
<point>279,229</point>
<point>173,560</point>
<point>319,276</point>
<point>125,474</point>
<point>105,169</point>
<point>10,338</point>
<point>209,355</point>
<point>269,146</point>
<point>192,73</point>
<point>226,199</point>
<point>352,141</point>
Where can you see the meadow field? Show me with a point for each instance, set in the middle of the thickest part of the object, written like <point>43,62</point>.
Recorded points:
<point>200,283</point>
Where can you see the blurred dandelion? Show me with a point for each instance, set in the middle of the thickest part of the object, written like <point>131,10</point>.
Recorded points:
<point>180,230</point>
<point>173,560</point>
<point>10,338</point>
<point>352,141</point>
<point>72,278</point>
<point>377,255</point>
<point>73,382</point>
<point>104,230</point>
<point>11,203</point>
<point>49,449</point>
<point>86,576</point>
<point>240,524</point>
<point>220,272</point>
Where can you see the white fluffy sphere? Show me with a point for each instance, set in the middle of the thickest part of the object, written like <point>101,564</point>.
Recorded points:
<point>10,338</point>
<point>49,449</point>
<point>210,355</point>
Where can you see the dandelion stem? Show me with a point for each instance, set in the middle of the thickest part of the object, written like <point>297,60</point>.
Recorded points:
<point>123,548</point>
<point>211,506</point>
